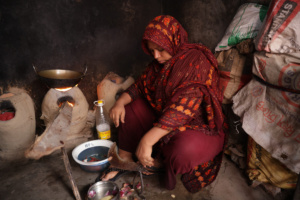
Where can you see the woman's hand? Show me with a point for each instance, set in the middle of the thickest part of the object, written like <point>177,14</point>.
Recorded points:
<point>117,112</point>
<point>144,149</point>
<point>143,153</point>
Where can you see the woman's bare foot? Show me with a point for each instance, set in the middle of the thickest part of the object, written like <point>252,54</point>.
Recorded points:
<point>125,155</point>
<point>109,176</point>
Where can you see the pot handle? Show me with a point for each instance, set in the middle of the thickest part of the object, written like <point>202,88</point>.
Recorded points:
<point>85,70</point>
<point>34,69</point>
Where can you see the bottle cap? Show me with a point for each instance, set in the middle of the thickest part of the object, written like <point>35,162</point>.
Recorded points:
<point>99,102</point>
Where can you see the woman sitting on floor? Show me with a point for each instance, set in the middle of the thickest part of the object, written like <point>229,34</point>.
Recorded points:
<point>171,117</point>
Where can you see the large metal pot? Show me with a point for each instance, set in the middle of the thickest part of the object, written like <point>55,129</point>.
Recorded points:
<point>60,78</point>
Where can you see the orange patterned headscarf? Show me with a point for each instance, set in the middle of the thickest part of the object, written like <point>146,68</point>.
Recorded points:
<point>166,32</point>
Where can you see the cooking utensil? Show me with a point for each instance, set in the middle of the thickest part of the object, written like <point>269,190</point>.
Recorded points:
<point>60,78</point>
<point>103,189</point>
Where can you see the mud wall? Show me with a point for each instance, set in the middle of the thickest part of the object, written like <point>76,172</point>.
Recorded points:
<point>103,35</point>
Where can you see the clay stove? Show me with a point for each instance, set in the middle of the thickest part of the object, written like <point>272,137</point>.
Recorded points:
<point>17,130</point>
<point>67,119</point>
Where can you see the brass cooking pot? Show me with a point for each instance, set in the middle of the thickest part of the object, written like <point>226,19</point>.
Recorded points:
<point>60,78</point>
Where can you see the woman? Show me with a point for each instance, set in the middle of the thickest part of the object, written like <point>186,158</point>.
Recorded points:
<point>173,111</point>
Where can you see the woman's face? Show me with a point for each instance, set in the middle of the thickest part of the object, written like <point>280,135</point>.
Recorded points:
<point>158,53</point>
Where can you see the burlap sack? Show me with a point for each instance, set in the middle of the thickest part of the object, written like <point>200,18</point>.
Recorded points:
<point>281,70</point>
<point>235,72</point>
<point>261,166</point>
<point>272,119</point>
<point>281,27</point>
<point>111,87</point>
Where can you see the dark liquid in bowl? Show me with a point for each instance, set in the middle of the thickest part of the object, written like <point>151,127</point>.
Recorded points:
<point>93,154</point>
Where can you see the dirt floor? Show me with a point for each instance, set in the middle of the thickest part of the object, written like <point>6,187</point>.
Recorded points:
<point>46,179</point>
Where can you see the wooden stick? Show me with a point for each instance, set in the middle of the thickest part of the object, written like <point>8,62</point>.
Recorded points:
<point>69,171</point>
<point>297,191</point>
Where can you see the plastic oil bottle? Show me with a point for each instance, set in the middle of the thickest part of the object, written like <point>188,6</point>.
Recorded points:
<point>102,121</point>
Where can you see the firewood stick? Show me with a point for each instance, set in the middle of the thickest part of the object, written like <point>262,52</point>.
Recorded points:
<point>297,191</point>
<point>69,171</point>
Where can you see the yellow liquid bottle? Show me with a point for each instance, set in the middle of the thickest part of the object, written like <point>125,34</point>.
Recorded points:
<point>102,122</point>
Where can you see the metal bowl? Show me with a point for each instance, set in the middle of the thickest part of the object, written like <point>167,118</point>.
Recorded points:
<point>102,189</point>
<point>94,148</point>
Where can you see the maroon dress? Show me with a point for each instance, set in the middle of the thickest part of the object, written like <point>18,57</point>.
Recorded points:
<point>180,96</point>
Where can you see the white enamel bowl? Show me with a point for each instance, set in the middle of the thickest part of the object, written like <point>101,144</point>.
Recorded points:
<point>93,147</point>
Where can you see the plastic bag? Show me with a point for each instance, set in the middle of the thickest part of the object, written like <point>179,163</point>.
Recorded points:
<point>245,25</point>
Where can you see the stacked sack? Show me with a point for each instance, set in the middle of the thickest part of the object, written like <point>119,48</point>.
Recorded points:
<point>234,54</point>
<point>269,105</point>
<point>235,51</point>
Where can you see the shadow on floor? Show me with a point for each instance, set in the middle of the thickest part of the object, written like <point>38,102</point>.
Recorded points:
<point>46,179</point>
